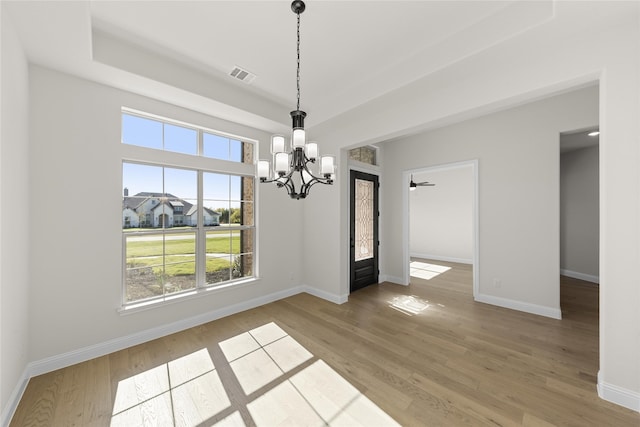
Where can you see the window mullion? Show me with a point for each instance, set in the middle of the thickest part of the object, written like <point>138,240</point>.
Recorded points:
<point>201,239</point>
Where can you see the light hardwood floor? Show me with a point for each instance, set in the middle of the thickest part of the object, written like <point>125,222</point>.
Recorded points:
<point>425,354</point>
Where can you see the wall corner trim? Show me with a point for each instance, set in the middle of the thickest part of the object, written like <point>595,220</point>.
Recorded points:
<point>12,403</point>
<point>540,310</point>
<point>618,395</point>
<point>393,279</point>
<point>334,298</point>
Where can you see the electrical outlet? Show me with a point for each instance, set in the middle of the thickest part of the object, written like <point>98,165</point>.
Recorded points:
<point>497,283</point>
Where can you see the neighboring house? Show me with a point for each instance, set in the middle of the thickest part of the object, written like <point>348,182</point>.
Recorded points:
<point>210,217</point>
<point>162,210</point>
<point>130,218</point>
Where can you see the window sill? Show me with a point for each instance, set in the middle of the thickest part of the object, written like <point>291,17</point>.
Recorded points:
<point>137,307</point>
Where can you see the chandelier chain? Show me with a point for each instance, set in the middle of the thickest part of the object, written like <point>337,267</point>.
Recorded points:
<point>298,63</point>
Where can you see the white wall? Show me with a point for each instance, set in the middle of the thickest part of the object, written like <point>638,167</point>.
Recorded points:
<point>76,271</point>
<point>583,42</point>
<point>441,217</point>
<point>14,209</point>
<point>579,214</point>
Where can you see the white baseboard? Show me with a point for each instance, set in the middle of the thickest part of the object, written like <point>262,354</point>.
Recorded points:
<point>392,279</point>
<point>581,276</point>
<point>540,310</point>
<point>87,353</point>
<point>14,399</point>
<point>441,258</point>
<point>618,395</point>
<point>336,299</point>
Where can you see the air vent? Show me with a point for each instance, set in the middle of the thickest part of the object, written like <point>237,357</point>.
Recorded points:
<point>242,74</point>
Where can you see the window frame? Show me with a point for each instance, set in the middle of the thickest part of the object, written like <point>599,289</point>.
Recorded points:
<point>171,159</point>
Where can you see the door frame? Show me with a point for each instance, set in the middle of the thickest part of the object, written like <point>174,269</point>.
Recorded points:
<point>406,253</point>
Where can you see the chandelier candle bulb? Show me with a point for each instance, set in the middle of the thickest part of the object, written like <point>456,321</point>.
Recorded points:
<point>298,138</point>
<point>278,144</point>
<point>311,150</point>
<point>281,165</point>
<point>263,169</point>
<point>326,165</point>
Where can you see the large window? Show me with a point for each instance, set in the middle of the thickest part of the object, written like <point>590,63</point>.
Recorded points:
<point>187,209</point>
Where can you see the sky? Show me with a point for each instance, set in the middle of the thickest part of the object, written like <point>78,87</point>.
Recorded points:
<point>182,183</point>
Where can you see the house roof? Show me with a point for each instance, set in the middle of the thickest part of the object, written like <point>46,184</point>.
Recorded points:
<point>193,209</point>
<point>134,202</point>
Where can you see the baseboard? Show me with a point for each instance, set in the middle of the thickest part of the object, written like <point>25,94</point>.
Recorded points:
<point>441,258</point>
<point>618,395</point>
<point>336,299</point>
<point>540,310</point>
<point>14,399</point>
<point>581,276</point>
<point>392,279</point>
<point>87,353</point>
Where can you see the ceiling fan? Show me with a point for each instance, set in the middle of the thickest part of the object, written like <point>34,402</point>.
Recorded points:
<point>413,185</point>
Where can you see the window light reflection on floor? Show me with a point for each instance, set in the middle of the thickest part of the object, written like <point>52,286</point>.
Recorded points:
<point>188,386</point>
<point>425,270</point>
<point>409,304</point>
<point>282,382</point>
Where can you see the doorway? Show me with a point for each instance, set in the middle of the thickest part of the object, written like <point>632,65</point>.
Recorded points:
<point>469,173</point>
<point>363,230</point>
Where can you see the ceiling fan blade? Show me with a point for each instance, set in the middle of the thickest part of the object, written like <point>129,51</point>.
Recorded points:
<point>413,185</point>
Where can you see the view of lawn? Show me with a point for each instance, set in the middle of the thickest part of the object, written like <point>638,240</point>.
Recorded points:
<point>179,265</point>
<point>160,264</point>
<point>179,254</point>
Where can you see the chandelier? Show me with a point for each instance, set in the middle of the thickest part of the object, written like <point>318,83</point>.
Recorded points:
<point>295,169</point>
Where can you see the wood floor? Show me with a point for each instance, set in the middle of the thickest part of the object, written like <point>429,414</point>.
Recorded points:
<point>426,355</point>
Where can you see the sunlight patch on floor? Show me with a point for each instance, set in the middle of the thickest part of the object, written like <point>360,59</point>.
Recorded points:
<point>425,270</point>
<point>409,304</point>
<point>281,383</point>
<point>187,385</point>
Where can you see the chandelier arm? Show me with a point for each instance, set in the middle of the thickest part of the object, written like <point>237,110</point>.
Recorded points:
<point>307,187</point>
<point>287,185</point>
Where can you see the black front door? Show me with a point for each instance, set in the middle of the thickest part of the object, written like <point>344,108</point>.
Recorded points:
<point>364,230</point>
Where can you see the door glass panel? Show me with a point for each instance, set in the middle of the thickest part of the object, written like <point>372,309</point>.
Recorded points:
<point>363,219</point>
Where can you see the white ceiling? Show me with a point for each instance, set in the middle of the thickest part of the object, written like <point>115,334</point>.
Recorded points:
<point>576,140</point>
<point>181,51</point>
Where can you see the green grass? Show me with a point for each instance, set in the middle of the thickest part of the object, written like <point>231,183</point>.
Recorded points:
<point>181,247</point>
<point>177,265</point>
<point>179,255</point>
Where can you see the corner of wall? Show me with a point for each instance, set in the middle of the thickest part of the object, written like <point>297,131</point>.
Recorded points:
<point>554,313</point>
<point>618,395</point>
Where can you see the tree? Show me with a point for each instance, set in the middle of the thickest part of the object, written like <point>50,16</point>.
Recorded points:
<point>235,215</point>
<point>224,215</point>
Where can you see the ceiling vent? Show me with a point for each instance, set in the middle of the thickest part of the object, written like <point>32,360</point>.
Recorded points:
<point>242,74</point>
